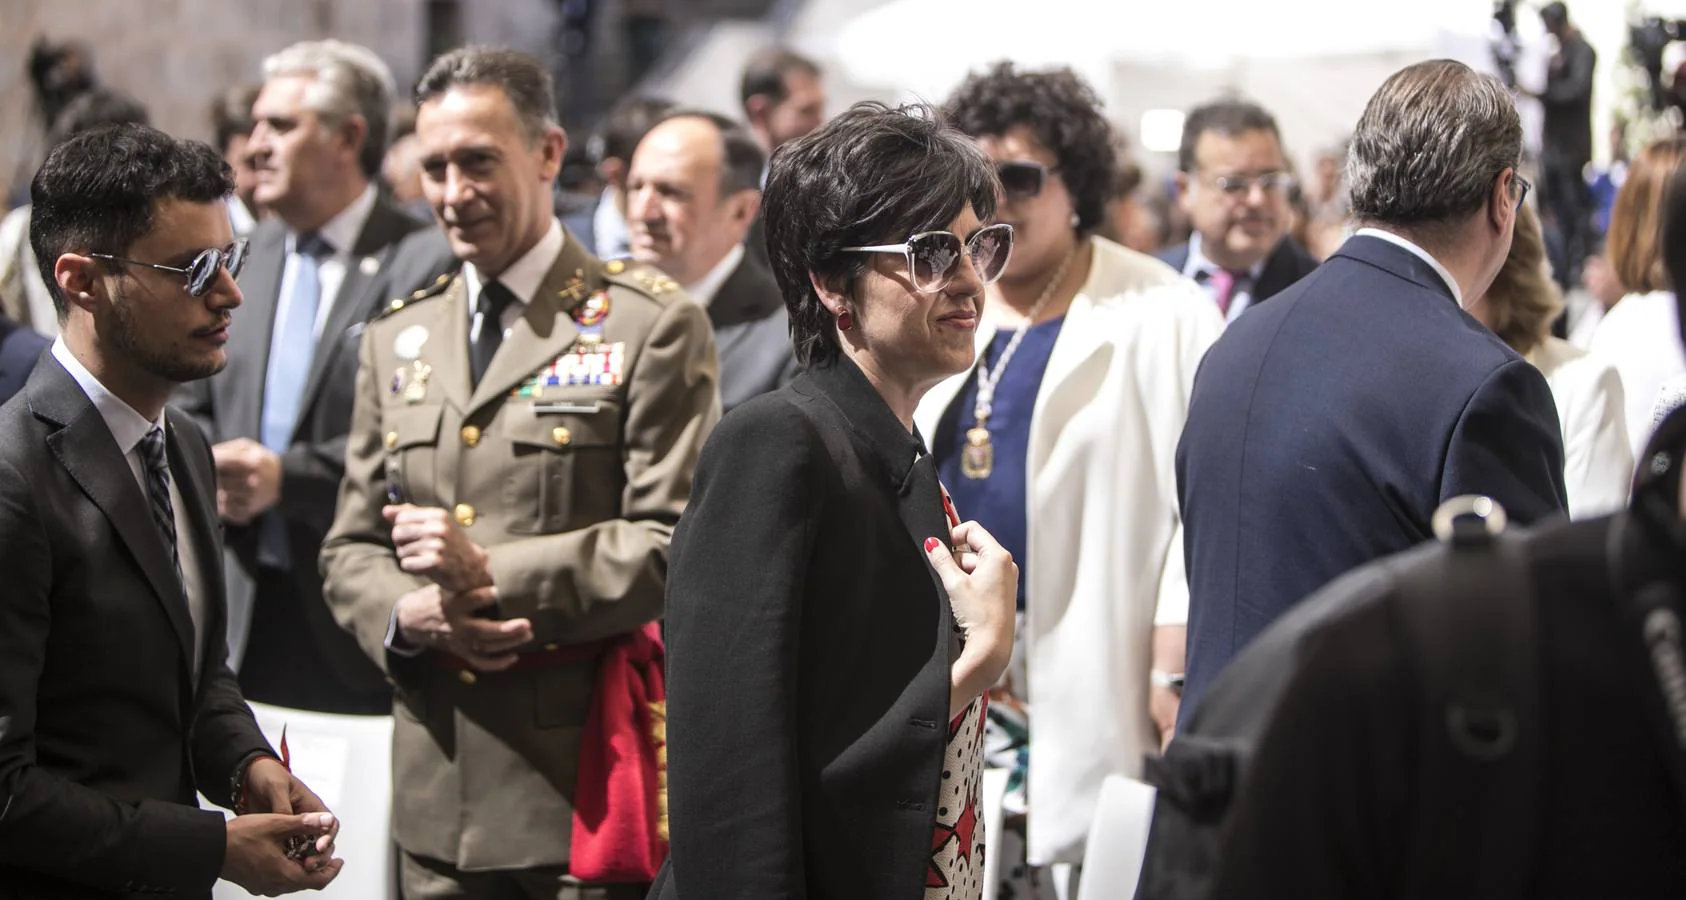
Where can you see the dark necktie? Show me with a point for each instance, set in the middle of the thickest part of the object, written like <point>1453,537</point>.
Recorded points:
<point>158,494</point>
<point>494,299</point>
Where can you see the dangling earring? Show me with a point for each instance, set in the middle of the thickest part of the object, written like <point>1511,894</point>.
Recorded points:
<point>1075,220</point>
<point>844,320</point>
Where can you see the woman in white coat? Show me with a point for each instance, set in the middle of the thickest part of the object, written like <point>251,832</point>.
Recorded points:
<point>1061,442</point>
<point>1519,307</point>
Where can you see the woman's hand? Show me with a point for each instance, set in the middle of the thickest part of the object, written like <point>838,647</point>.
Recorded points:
<point>982,583</point>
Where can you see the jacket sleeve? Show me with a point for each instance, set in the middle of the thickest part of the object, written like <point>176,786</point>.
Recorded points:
<point>48,824</point>
<point>734,620</point>
<point>1575,86</point>
<point>1597,463</point>
<point>1508,445</point>
<point>1169,384</point>
<point>607,578</point>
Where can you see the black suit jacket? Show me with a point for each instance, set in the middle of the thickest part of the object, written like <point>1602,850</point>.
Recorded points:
<point>1285,265</point>
<point>1370,398</point>
<point>809,652</point>
<point>230,405</point>
<point>19,348</point>
<point>104,732</point>
<point>751,334</point>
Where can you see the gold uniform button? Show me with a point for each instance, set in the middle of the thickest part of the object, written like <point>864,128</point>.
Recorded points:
<point>464,514</point>
<point>470,435</point>
<point>551,648</point>
<point>561,436</point>
<point>614,267</point>
<point>391,440</point>
<point>467,677</point>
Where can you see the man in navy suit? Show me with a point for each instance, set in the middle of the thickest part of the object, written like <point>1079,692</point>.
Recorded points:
<point>1233,183</point>
<point>1328,424</point>
<point>19,348</point>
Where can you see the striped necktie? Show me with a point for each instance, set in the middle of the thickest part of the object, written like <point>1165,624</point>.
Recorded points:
<point>158,495</point>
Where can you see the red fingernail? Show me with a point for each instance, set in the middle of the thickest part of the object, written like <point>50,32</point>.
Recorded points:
<point>932,544</point>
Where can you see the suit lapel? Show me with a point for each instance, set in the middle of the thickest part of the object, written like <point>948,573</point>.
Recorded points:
<point>87,451</point>
<point>254,324</point>
<point>371,252</point>
<point>193,482</point>
<point>542,333</point>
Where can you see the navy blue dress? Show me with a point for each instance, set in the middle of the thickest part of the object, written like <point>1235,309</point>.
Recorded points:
<point>998,502</point>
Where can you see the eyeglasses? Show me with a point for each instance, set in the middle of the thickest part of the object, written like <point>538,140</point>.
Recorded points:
<point>202,272</point>
<point>934,256</point>
<point>1023,179</point>
<point>1238,186</point>
<point>1523,187</point>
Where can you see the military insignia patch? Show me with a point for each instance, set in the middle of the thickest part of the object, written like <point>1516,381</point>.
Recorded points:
<point>596,364</point>
<point>655,282</point>
<point>594,310</point>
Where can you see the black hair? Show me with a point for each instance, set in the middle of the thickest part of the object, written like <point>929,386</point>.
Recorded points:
<point>741,158</point>
<point>765,72</point>
<point>628,121</point>
<point>231,113</point>
<point>873,175</point>
<point>525,81</point>
<point>1229,117</point>
<point>1064,115</point>
<point>96,108</point>
<point>98,191</point>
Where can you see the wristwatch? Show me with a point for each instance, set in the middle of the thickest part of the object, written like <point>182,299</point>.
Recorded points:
<point>1170,680</point>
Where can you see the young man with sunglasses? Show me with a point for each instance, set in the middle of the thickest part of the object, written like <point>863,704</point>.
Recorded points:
<point>1233,183</point>
<point>114,686</point>
<point>1058,440</point>
<point>1328,424</point>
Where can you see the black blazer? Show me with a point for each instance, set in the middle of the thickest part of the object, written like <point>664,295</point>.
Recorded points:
<point>1285,265</point>
<point>809,652</point>
<point>1370,399</point>
<point>106,734</point>
<point>751,334</point>
<point>230,405</point>
<point>19,347</point>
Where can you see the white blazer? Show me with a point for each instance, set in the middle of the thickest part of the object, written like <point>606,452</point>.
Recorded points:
<point>1597,463</point>
<point>1104,547</point>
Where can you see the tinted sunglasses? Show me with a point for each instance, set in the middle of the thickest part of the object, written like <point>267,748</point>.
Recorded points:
<point>934,256</point>
<point>202,272</point>
<point>1022,179</point>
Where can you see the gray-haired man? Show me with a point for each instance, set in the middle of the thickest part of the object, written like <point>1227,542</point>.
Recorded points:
<point>279,413</point>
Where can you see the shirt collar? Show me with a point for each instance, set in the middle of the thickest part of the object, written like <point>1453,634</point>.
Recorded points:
<point>704,289</point>
<point>523,276</point>
<point>1198,263</point>
<point>127,425</point>
<point>342,230</point>
<point>1418,252</point>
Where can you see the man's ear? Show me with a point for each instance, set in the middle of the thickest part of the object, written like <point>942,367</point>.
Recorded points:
<point>1501,201</point>
<point>755,108</point>
<point>1180,179</point>
<point>743,206</point>
<point>79,279</point>
<point>553,145</point>
<point>355,132</point>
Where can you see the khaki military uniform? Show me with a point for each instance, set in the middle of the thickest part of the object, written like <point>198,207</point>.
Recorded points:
<point>570,463</point>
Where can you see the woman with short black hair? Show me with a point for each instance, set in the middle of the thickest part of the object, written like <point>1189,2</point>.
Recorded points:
<point>832,625</point>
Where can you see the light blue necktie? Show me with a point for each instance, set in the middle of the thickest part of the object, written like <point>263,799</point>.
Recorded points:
<point>292,344</point>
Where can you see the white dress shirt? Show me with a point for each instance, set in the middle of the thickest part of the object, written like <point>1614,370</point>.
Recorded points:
<point>704,289</point>
<point>522,278</point>
<point>1420,253</point>
<point>1241,296</point>
<point>341,233</point>
<point>128,427</point>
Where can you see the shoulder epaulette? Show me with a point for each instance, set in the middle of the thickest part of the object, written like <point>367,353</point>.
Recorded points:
<point>641,277</point>
<point>435,289</point>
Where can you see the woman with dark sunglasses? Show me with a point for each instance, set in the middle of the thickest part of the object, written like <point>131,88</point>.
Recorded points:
<point>832,625</point>
<point>1061,441</point>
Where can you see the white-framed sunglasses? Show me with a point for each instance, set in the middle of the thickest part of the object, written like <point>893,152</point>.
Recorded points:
<point>934,256</point>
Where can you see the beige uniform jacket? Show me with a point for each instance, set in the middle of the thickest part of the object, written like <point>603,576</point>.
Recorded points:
<point>574,490</point>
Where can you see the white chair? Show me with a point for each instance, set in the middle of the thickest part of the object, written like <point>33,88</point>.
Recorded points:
<point>347,761</point>
<point>1112,860</point>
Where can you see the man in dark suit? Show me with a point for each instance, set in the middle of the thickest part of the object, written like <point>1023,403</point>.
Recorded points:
<point>280,411</point>
<point>783,97</point>
<point>1233,184</point>
<point>1566,136</point>
<point>692,192</point>
<point>19,348</point>
<point>1371,395</point>
<point>116,702</point>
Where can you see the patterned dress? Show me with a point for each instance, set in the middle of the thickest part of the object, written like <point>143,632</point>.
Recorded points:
<point>956,871</point>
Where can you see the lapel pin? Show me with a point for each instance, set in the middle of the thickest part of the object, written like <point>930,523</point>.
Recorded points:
<point>408,344</point>
<point>369,265</point>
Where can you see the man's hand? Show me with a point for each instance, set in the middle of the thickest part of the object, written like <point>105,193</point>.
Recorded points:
<point>430,618</point>
<point>430,543</point>
<point>270,788</point>
<point>256,861</point>
<point>248,479</point>
<point>1162,705</point>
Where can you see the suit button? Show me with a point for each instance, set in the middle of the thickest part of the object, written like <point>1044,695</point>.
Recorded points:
<point>470,435</point>
<point>467,677</point>
<point>391,440</point>
<point>464,514</point>
<point>562,436</point>
<point>551,648</point>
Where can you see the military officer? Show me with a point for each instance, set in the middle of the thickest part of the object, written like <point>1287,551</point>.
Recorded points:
<point>522,444</point>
